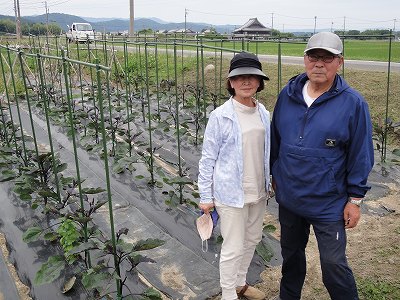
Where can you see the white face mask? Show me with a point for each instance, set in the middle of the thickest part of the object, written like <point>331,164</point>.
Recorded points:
<point>204,225</point>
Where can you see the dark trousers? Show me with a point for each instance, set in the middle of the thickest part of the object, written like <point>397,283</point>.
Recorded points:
<point>331,237</point>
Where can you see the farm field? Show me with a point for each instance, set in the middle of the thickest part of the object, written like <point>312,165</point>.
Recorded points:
<point>371,50</point>
<point>126,128</point>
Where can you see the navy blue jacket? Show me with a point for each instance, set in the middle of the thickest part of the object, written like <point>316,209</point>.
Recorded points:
<point>322,154</point>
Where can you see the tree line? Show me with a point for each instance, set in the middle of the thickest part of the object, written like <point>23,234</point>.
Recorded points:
<point>357,34</point>
<point>8,26</point>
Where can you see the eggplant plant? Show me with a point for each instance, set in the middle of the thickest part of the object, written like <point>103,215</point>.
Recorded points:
<point>122,160</point>
<point>7,130</point>
<point>71,221</point>
<point>127,255</point>
<point>175,196</point>
<point>73,226</point>
<point>7,159</point>
<point>37,182</point>
<point>381,129</point>
<point>193,104</point>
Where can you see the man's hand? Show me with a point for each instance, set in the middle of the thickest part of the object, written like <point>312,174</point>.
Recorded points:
<point>273,183</point>
<point>206,207</point>
<point>351,215</point>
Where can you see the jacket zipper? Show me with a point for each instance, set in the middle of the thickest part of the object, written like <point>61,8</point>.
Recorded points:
<point>304,124</point>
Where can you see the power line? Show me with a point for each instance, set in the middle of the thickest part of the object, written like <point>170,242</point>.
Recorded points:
<point>39,4</point>
<point>218,14</point>
<point>8,11</point>
<point>58,2</point>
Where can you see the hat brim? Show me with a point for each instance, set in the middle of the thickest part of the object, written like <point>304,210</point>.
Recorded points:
<point>331,50</point>
<point>247,71</point>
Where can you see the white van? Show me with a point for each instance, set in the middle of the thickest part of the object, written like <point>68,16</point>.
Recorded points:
<point>80,32</point>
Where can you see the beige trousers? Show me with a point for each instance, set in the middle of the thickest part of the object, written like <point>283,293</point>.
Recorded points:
<point>241,229</point>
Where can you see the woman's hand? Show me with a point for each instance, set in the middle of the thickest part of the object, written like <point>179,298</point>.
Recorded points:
<point>206,207</point>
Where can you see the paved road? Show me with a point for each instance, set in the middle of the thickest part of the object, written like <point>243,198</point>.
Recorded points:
<point>351,64</point>
<point>293,60</point>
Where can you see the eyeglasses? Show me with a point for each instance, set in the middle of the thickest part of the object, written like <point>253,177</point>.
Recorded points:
<point>325,58</point>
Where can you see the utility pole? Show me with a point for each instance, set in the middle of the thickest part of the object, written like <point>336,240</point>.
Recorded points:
<point>131,18</point>
<point>47,17</point>
<point>47,25</point>
<point>186,12</point>
<point>17,20</point>
<point>344,25</point>
<point>315,23</point>
<point>272,21</point>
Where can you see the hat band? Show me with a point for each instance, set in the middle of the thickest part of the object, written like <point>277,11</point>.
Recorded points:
<point>245,62</point>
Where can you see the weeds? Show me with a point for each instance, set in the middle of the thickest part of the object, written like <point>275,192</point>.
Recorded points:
<point>375,289</point>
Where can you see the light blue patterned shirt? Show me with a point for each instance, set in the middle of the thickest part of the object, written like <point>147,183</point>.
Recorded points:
<point>221,163</point>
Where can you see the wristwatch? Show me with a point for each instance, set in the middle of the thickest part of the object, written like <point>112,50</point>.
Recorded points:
<point>356,201</point>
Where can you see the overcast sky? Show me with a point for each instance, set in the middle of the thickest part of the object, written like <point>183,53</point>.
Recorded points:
<point>279,14</point>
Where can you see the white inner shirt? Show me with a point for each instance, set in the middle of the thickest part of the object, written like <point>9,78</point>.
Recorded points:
<point>253,143</point>
<point>309,100</point>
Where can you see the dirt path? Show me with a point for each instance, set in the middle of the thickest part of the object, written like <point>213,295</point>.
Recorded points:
<point>23,290</point>
<point>373,252</point>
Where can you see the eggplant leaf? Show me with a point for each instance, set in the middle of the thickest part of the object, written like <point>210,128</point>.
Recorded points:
<point>32,234</point>
<point>50,270</point>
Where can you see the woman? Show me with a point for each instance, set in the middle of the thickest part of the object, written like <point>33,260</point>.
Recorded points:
<point>234,173</point>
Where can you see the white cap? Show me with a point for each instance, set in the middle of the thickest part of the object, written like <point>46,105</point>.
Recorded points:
<point>327,41</point>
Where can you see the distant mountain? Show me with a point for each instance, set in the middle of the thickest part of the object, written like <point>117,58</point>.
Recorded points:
<point>120,25</point>
<point>94,20</point>
<point>3,17</point>
<point>143,23</point>
<point>158,20</point>
<point>61,19</point>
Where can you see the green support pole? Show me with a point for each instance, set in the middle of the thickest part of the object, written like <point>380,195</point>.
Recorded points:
<point>387,98</point>
<point>127,97</point>
<point>149,117</point>
<point>8,103</point>
<point>73,137</point>
<point>140,78</point>
<point>204,90</point>
<point>198,109</point>
<point>18,108</point>
<point>279,85</point>
<point>157,80</point>
<point>220,74</point>
<point>107,174</point>
<point>80,83</point>
<point>178,138</point>
<point>46,109</point>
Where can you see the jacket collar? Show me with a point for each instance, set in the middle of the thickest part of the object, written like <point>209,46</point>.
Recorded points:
<point>227,109</point>
<point>295,87</point>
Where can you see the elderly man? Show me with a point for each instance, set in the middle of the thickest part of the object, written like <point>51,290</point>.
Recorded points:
<point>321,155</point>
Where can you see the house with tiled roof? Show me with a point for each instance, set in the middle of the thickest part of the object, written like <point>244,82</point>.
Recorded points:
<point>252,28</point>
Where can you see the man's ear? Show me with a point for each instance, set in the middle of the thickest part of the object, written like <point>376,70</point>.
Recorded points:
<point>341,60</point>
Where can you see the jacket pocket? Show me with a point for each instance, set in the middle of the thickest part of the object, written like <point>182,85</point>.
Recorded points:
<point>307,176</point>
